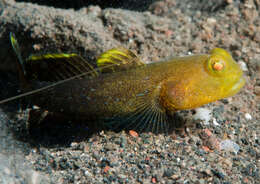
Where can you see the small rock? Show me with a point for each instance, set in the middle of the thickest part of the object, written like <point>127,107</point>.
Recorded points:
<point>87,173</point>
<point>215,122</point>
<point>211,20</point>
<point>219,174</point>
<point>208,172</point>
<point>133,133</point>
<point>243,65</point>
<point>106,169</point>
<point>248,116</point>
<point>229,145</point>
<point>203,114</point>
<point>257,90</point>
<point>110,147</point>
<point>229,1</point>
<point>227,162</point>
<point>168,172</point>
<point>74,144</point>
<point>202,181</point>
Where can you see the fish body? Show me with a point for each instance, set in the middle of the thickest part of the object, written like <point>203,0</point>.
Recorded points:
<point>140,96</point>
<point>117,92</point>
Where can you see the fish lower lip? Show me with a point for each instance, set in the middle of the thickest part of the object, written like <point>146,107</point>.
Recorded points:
<point>239,84</point>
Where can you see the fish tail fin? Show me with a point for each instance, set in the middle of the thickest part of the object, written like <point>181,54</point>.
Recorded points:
<point>20,63</point>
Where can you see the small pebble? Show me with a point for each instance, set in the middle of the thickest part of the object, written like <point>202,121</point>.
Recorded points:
<point>257,90</point>
<point>211,20</point>
<point>203,114</point>
<point>248,116</point>
<point>229,145</point>
<point>168,173</point>
<point>243,66</point>
<point>219,174</point>
<point>154,180</point>
<point>215,122</point>
<point>106,169</point>
<point>133,133</point>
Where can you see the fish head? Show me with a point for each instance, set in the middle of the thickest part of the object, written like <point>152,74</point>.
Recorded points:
<point>204,79</point>
<point>226,73</point>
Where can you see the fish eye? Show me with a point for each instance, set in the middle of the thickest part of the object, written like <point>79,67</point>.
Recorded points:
<point>218,66</point>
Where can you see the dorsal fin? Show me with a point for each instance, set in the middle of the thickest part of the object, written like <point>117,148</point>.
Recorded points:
<point>123,59</point>
<point>56,67</point>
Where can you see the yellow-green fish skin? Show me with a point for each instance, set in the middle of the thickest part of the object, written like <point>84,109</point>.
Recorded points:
<point>129,94</point>
<point>180,83</point>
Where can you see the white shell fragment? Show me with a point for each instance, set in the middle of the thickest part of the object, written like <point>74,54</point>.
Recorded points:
<point>243,66</point>
<point>203,114</point>
<point>248,116</point>
<point>229,145</point>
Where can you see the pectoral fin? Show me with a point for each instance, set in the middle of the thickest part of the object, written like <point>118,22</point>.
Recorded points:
<point>148,116</point>
<point>144,119</point>
<point>118,59</point>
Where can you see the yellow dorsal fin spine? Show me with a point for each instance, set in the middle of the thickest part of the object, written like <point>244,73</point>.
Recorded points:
<point>122,59</point>
<point>50,56</point>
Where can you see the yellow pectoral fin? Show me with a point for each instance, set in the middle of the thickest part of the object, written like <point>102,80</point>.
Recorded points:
<point>118,59</point>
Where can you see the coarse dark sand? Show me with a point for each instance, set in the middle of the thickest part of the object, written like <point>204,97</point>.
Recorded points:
<point>58,153</point>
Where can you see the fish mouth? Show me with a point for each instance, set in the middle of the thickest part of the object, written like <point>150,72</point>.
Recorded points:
<point>237,86</point>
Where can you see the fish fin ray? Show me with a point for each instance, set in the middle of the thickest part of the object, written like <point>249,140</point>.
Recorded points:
<point>61,65</point>
<point>121,58</point>
<point>17,50</point>
<point>148,117</point>
<point>24,84</point>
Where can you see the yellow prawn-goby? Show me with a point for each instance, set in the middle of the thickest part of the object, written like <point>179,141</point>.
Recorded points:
<point>124,92</point>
